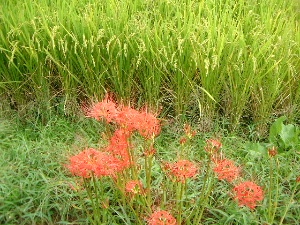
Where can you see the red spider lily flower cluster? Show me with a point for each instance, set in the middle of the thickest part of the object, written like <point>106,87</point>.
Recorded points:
<point>119,147</point>
<point>134,187</point>
<point>126,117</point>
<point>248,194</point>
<point>111,160</point>
<point>103,110</point>
<point>161,217</point>
<point>148,125</point>
<point>226,170</point>
<point>182,169</point>
<point>116,156</point>
<point>91,161</point>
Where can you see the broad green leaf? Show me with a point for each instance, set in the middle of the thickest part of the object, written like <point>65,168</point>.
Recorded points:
<point>257,149</point>
<point>289,135</point>
<point>276,129</point>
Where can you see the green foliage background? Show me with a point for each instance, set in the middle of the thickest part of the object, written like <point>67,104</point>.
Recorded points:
<point>202,58</point>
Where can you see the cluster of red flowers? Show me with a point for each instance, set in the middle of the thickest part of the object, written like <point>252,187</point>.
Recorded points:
<point>161,217</point>
<point>226,170</point>
<point>126,117</point>
<point>116,156</point>
<point>106,109</point>
<point>108,162</point>
<point>246,193</point>
<point>182,169</point>
<point>119,147</point>
<point>91,161</point>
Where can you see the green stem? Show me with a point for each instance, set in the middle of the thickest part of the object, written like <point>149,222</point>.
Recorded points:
<point>94,219</point>
<point>277,190</point>
<point>168,186</point>
<point>148,169</point>
<point>289,204</point>
<point>273,204</point>
<point>206,196</point>
<point>97,199</point>
<point>270,191</point>
<point>179,200</point>
<point>133,161</point>
<point>90,217</point>
<point>125,202</point>
<point>195,212</point>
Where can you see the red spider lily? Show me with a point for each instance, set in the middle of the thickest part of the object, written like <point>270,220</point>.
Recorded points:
<point>248,194</point>
<point>161,217</point>
<point>104,110</point>
<point>83,163</point>
<point>119,147</point>
<point>148,125</point>
<point>226,170</point>
<point>108,165</point>
<point>127,118</point>
<point>182,169</point>
<point>91,161</point>
<point>134,186</point>
<point>145,123</point>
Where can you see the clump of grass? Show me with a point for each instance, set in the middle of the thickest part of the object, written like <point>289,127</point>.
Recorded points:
<point>33,188</point>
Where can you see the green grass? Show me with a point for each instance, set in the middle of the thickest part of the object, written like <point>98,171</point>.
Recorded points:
<point>202,59</point>
<point>35,187</point>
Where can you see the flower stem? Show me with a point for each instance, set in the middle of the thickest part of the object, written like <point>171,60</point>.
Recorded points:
<point>197,213</point>
<point>204,200</point>
<point>179,200</point>
<point>148,168</point>
<point>96,213</point>
<point>289,204</point>
<point>270,191</point>
<point>273,178</point>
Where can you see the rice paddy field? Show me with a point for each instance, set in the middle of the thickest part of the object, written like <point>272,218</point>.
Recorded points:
<point>230,69</point>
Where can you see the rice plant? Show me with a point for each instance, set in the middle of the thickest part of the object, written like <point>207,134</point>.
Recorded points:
<point>204,59</point>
